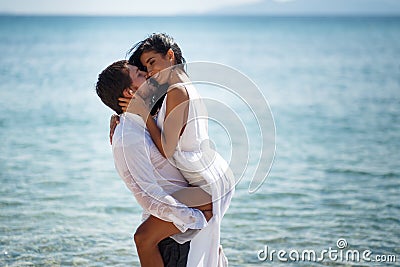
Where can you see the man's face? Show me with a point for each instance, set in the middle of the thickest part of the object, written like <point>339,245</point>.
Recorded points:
<point>139,82</point>
<point>138,77</point>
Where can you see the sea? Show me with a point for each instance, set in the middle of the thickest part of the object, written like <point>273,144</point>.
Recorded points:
<point>328,161</point>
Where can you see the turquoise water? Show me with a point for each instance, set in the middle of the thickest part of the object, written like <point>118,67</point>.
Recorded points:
<point>333,85</point>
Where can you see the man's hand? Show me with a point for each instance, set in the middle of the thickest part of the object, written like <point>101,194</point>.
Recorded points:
<point>208,214</point>
<point>114,120</point>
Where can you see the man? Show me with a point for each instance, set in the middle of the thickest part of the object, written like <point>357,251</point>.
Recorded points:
<point>146,173</point>
<point>151,177</point>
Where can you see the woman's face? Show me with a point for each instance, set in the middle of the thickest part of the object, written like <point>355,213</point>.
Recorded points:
<point>155,62</point>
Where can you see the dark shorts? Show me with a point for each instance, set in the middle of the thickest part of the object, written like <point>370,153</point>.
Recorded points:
<point>173,253</point>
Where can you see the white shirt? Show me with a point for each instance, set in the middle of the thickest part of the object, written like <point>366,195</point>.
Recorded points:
<point>150,177</point>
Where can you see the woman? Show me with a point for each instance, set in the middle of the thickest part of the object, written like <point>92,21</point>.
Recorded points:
<point>181,134</point>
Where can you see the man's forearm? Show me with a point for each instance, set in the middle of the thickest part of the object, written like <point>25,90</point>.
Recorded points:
<point>194,197</point>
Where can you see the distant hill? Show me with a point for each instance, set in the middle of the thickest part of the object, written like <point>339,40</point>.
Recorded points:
<point>315,7</point>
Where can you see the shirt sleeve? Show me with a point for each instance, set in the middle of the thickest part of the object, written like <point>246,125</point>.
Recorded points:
<point>133,164</point>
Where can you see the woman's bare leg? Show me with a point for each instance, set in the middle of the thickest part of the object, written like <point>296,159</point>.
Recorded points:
<point>153,230</point>
<point>147,237</point>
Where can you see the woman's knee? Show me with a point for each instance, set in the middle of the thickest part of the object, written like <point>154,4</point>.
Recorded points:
<point>139,236</point>
<point>143,238</point>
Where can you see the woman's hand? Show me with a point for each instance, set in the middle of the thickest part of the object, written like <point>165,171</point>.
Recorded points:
<point>124,103</point>
<point>114,120</point>
<point>137,106</point>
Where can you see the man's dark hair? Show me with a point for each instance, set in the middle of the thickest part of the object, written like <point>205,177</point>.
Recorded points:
<point>112,82</point>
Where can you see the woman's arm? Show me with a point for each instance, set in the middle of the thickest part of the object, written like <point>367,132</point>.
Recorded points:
<point>177,105</point>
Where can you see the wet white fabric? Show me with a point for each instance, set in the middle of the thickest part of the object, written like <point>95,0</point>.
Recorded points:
<point>202,166</point>
<point>151,178</point>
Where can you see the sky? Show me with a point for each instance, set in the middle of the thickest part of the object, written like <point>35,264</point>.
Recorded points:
<point>117,7</point>
<point>198,7</point>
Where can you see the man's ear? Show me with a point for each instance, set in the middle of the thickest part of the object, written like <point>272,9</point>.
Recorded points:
<point>128,93</point>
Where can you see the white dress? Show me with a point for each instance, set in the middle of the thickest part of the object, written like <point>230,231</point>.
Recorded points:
<point>204,167</point>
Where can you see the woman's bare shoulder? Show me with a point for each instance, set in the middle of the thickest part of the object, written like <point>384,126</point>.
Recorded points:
<point>176,90</point>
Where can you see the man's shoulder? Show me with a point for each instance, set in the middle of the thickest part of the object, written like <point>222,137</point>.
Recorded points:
<point>130,130</point>
<point>117,136</point>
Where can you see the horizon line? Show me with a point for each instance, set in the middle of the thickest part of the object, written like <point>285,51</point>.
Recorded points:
<point>338,14</point>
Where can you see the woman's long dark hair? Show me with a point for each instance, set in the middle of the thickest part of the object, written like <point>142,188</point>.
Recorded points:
<point>157,42</point>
